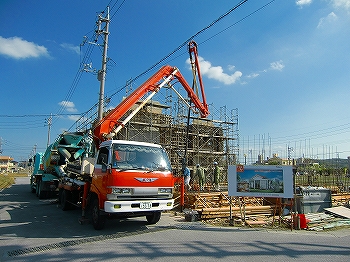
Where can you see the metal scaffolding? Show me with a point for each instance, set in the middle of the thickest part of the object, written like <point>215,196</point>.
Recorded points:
<point>214,139</point>
<point>209,140</point>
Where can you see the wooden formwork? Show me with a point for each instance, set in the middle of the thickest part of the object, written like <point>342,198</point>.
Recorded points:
<point>211,205</point>
<point>247,210</point>
<point>199,200</point>
<point>341,199</point>
<point>241,212</point>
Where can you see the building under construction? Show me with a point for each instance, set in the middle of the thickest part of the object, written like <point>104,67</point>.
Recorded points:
<point>186,137</point>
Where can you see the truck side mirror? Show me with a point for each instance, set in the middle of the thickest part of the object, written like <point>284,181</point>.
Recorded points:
<point>104,167</point>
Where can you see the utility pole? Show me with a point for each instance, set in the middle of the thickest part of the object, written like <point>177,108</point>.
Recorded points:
<point>0,145</point>
<point>33,151</point>
<point>101,76</point>
<point>290,150</point>
<point>49,123</point>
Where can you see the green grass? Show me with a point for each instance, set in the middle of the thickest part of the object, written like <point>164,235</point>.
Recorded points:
<point>7,180</point>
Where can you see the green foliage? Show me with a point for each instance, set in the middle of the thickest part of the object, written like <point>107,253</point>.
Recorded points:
<point>6,181</point>
<point>274,161</point>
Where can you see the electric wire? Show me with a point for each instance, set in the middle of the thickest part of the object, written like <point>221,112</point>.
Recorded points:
<point>86,57</point>
<point>190,38</point>
<point>193,37</point>
<point>171,53</point>
<point>157,64</point>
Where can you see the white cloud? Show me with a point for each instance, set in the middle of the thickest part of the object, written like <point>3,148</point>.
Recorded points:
<point>70,47</point>
<point>217,73</point>
<point>16,47</point>
<point>341,4</point>
<point>331,17</point>
<point>231,67</point>
<point>68,105</point>
<point>277,65</point>
<point>253,75</point>
<point>303,2</point>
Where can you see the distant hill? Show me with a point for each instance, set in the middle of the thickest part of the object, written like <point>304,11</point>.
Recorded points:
<point>334,162</point>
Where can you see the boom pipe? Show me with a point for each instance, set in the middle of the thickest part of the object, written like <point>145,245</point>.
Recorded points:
<point>108,123</point>
<point>126,120</point>
<point>193,49</point>
<point>183,99</point>
<point>203,107</point>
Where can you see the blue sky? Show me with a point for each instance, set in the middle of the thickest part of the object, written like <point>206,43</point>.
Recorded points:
<point>283,64</point>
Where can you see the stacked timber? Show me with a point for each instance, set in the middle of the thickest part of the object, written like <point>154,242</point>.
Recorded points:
<point>241,212</point>
<point>212,205</point>
<point>200,200</point>
<point>340,199</point>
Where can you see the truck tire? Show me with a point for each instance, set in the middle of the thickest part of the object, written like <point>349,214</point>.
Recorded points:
<point>39,192</point>
<point>98,220</point>
<point>32,188</point>
<point>37,188</point>
<point>64,200</point>
<point>154,217</point>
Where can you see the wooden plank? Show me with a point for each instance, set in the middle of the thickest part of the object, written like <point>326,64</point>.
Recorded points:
<point>225,209</point>
<point>255,222</point>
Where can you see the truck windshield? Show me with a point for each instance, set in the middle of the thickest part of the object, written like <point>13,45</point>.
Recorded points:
<point>126,156</point>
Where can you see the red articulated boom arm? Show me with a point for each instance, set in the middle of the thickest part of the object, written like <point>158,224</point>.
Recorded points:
<point>192,48</point>
<point>110,125</point>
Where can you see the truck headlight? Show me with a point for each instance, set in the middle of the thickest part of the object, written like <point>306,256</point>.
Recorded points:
<point>165,190</point>
<point>121,191</point>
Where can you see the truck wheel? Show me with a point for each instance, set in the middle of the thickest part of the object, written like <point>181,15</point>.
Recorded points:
<point>154,218</point>
<point>39,192</point>
<point>98,220</point>
<point>64,198</point>
<point>60,195</point>
<point>37,188</point>
<point>32,189</point>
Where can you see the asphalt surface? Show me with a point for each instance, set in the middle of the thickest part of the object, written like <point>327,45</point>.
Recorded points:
<point>38,230</point>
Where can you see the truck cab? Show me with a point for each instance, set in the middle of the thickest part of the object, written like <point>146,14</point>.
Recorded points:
<point>131,179</point>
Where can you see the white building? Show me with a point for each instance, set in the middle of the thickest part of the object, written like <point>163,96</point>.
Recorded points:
<point>5,164</point>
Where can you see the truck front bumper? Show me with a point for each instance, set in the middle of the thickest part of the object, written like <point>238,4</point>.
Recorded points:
<point>138,206</point>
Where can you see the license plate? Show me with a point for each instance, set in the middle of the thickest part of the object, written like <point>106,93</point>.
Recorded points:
<point>145,205</point>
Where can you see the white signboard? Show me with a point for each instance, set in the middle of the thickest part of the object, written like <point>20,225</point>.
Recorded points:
<point>260,181</point>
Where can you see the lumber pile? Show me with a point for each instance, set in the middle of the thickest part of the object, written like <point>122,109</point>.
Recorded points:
<point>242,212</point>
<point>212,205</point>
<point>219,199</point>
<point>340,199</point>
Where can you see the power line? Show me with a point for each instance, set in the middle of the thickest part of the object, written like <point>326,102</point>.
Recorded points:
<point>234,24</point>
<point>92,39</point>
<point>240,3</point>
<point>191,38</point>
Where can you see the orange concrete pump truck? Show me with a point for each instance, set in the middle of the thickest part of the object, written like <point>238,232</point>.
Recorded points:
<point>119,178</point>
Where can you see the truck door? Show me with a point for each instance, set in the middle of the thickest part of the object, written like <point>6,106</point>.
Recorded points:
<point>99,179</point>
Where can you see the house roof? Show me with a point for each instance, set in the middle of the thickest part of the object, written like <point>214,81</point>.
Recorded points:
<point>257,176</point>
<point>7,158</point>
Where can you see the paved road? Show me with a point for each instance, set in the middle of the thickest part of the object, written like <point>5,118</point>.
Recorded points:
<point>37,230</point>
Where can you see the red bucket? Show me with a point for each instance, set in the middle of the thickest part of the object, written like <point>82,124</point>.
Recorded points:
<point>302,220</point>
